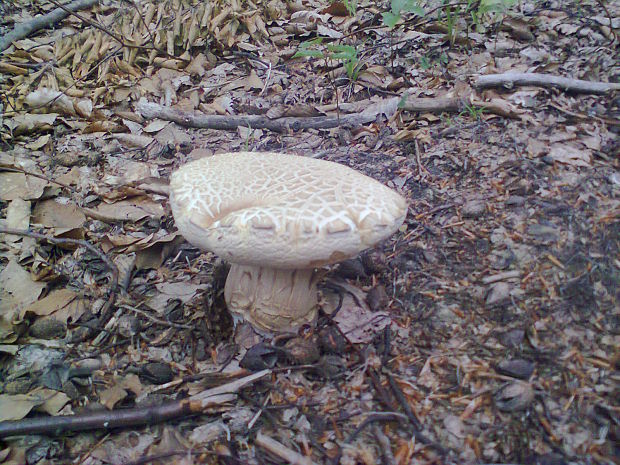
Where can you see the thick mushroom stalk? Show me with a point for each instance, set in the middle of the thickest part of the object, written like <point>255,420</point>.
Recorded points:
<point>270,299</point>
<point>275,218</point>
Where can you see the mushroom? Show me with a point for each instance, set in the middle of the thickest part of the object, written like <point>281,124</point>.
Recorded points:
<point>276,218</point>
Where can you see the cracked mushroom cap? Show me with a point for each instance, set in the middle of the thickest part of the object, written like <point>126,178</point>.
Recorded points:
<point>281,211</point>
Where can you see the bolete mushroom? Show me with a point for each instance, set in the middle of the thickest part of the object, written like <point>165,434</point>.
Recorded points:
<point>276,218</point>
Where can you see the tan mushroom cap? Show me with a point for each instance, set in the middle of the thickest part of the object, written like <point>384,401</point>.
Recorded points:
<point>281,211</point>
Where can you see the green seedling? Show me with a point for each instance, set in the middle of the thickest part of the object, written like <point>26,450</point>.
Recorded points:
<point>397,7</point>
<point>344,53</point>
<point>351,6</point>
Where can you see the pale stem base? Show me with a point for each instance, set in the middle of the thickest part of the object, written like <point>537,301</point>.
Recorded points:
<point>272,300</point>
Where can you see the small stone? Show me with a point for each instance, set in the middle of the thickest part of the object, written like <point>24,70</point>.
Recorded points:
<point>128,326</point>
<point>331,341</point>
<point>48,328</point>
<point>259,357</point>
<point>158,373</point>
<point>70,390</point>
<point>514,397</point>
<point>351,269</point>
<point>330,366</point>
<point>515,201</point>
<point>499,293</point>
<point>377,298</point>
<point>517,368</point>
<point>301,351</point>
<point>543,233</point>
<point>473,209</point>
<point>512,338</point>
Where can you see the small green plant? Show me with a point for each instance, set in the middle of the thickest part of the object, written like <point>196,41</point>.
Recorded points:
<point>397,7</point>
<point>473,111</point>
<point>486,8</point>
<point>351,6</point>
<point>346,54</point>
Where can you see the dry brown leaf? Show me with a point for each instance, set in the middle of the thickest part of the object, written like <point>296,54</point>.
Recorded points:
<point>127,210</point>
<point>56,214</point>
<point>570,155</point>
<point>112,396</point>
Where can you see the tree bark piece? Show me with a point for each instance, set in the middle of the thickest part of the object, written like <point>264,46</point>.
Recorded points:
<point>23,30</point>
<point>545,80</point>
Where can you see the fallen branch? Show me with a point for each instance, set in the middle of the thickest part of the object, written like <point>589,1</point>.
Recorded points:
<point>23,30</point>
<point>107,307</point>
<point>199,403</point>
<point>545,80</point>
<point>231,123</point>
<point>151,110</point>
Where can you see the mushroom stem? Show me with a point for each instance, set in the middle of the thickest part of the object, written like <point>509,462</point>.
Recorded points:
<point>271,299</point>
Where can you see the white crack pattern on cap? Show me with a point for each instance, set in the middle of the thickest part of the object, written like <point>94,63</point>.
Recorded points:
<point>279,210</point>
<point>275,218</point>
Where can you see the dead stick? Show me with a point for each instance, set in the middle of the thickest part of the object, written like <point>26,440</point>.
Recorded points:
<point>81,243</point>
<point>387,457</point>
<point>199,403</point>
<point>197,120</point>
<point>400,397</point>
<point>545,80</point>
<point>23,30</point>
<point>435,105</point>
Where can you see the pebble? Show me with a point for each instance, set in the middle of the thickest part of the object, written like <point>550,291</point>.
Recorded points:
<point>517,368</point>
<point>515,201</point>
<point>473,209</point>
<point>48,328</point>
<point>498,293</point>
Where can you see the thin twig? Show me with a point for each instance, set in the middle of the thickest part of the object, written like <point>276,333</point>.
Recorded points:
<point>16,169</point>
<point>154,319</point>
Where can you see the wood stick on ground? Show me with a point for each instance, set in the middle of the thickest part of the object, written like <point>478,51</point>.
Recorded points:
<point>107,420</point>
<point>23,30</point>
<point>229,123</point>
<point>545,80</point>
<point>151,110</point>
<point>107,307</point>
<point>387,457</point>
<point>281,451</point>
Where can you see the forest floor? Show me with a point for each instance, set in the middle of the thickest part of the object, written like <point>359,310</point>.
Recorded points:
<point>485,331</point>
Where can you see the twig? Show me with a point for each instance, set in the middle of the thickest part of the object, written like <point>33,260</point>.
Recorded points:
<point>377,416</point>
<point>105,310</point>
<point>224,122</point>
<point>281,451</point>
<point>16,169</point>
<point>512,79</point>
<point>199,403</point>
<point>23,30</point>
<point>400,397</point>
<point>501,276</point>
<point>154,319</point>
<point>387,457</point>
<point>614,36</point>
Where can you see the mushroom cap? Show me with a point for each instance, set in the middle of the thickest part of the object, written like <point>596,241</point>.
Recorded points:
<point>281,211</point>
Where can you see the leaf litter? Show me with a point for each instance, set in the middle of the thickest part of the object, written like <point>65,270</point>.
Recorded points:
<point>495,333</point>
